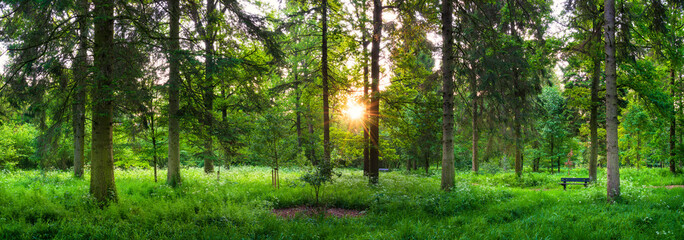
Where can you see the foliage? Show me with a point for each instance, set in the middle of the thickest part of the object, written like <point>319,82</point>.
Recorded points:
<point>17,145</point>
<point>56,205</point>
<point>556,140</point>
<point>318,176</point>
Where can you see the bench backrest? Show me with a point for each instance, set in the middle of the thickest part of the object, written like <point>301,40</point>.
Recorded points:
<point>575,179</point>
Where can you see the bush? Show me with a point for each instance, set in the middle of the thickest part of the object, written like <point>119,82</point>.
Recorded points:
<point>17,145</point>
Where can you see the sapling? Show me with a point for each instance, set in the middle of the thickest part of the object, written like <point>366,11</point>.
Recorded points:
<point>319,175</point>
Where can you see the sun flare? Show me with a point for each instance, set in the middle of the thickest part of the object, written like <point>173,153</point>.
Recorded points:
<point>354,110</point>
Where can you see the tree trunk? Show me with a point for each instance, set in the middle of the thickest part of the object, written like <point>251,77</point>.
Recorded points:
<point>173,176</point>
<point>552,153</point>
<point>208,97</point>
<point>102,185</point>
<point>375,94</point>
<point>518,142</point>
<point>448,173</point>
<point>673,125</point>
<point>476,133</point>
<point>298,96</point>
<point>426,157</point>
<point>324,73</point>
<point>366,106</point>
<point>80,75</point>
<point>312,150</point>
<point>593,121</point>
<point>154,146</point>
<point>612,151</point>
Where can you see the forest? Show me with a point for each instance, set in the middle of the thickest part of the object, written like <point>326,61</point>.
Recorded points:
<point>341,119</point>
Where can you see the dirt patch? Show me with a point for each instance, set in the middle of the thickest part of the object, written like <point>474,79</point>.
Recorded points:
<point>668,186</point>
<point>311,211</point>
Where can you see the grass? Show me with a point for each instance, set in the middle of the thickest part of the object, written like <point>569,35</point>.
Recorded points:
<point>47,205</point>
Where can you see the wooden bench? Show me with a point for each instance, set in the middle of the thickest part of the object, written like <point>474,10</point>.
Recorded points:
<point>383,170</point>
<point>574,181</point>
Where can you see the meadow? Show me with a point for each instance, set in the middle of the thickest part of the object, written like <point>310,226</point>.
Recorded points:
<point>239,205</point>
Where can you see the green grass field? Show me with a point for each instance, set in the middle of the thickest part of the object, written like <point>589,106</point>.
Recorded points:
<point>35,205</point>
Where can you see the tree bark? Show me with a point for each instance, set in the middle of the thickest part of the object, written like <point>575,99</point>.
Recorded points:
<point>448,172</point>
<point>476,133</point>
<point>518,141</point>
<point>324,73</point>
<point>298,96</point>
<point>80,75</point>
<point>208,97</point>
<point>374,153</point>
<point>552,153</point>
<point>612,151</point>
<point>173,177</point>
<point>366,105</point>
<point>673,124</point>
<point>154,145</point>
<point>595,78</point>
<point>102,185</point>
<point>593,120</point>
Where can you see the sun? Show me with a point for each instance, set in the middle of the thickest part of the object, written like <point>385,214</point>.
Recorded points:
<point>354,110</point>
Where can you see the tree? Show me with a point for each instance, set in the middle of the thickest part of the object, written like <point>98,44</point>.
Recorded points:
<point>362,18</point>
<point>553,124</point>
<point>324,74</point>
<point>448,171</point>
<point>413,101</point>
<point>587,20</point>
<point>374,112</point>
<point>173,176</point>
<point>207,33</point>
<point>80,75</point>
<point>612,151</point>
<point>102,185</point>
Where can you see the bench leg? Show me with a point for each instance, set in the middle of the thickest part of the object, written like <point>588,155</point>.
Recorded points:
<point>564,185</point>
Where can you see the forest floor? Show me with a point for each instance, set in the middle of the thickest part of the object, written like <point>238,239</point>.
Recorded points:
<point>244,205</point>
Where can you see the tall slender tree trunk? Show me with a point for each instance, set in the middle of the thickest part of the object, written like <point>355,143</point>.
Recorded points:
<point>518,141</point>
<point>426,158</point>
<point>448,171</point>
<point>324,71</point>
<point>173,176</point>
<point>673,124</point>
<point>519,103</point>
<point>366,105</point>
<point>312,149</point>
<point>593,120</point>
<point>595,78</point>
<point>208,97</point>
<point>102,185</point>
<point>154,145</point>
<point>374,154</point>
<point>80,75</point>
<point>298,110</point>
<point>476,133</point>
<point>552,152</point>
<point>612,151</point>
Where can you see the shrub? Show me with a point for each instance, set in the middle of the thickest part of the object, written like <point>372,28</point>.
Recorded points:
<point>17,145</point>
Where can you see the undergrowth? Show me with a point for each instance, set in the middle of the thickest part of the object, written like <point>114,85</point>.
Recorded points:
<point>47,205</point>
